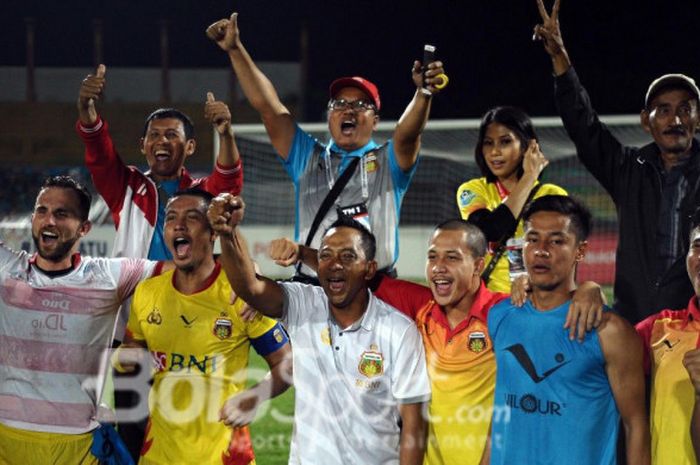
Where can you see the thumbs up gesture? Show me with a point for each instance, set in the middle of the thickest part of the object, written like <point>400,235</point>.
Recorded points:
<point>218,114</point>
<point>90,90</point>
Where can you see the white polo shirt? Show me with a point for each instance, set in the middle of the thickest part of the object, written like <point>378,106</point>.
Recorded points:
<point>349,382</point>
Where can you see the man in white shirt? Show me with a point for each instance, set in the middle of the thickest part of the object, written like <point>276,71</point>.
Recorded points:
<point>359,364</point>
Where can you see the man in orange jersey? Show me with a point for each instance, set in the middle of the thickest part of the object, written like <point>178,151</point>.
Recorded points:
<point>671,339</point>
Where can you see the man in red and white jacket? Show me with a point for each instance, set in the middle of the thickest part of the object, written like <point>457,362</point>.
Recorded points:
<point>137,200</point>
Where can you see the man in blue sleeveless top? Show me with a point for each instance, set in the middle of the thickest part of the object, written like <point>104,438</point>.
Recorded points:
<point>557,400</point>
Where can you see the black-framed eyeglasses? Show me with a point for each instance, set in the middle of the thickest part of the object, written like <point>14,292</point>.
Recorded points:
<point>355,105</point>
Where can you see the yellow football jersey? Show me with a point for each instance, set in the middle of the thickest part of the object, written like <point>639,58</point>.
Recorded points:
<point>477,194</point>
<point>200,347</point>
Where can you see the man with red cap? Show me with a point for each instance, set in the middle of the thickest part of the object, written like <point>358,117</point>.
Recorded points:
<point>381,173</point>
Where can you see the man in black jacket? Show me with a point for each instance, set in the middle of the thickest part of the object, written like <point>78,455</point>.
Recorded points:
<point>655,188</point>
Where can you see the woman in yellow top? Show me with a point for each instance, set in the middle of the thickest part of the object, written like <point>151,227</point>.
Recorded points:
<point>510,160</point>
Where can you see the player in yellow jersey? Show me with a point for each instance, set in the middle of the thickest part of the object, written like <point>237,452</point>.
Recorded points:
<point>200,348</point>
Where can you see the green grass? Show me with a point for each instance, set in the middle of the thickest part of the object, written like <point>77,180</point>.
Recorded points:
<point>271,431</point>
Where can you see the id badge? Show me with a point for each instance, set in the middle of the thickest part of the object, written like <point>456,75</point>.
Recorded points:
<point>357,212</point>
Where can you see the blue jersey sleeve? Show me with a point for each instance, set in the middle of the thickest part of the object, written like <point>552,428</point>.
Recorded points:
<point>271,341</point>
<point>495,317</point>
<point>400,177</point>
<point>299,154</point>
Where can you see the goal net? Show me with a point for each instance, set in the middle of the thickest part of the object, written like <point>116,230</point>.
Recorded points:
<point>447,160</point>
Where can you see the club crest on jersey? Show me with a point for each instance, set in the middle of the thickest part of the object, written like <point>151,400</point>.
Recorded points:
<point>223,328</point>
<point>477,342</point>
<point>277,334</point>
<point>371,363</point>
<point>371,162</point>
<point>154,318</point>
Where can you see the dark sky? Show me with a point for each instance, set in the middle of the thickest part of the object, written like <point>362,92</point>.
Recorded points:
<point>618,46</point>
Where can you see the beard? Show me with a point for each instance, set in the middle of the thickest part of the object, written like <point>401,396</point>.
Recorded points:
<point>59,253</point>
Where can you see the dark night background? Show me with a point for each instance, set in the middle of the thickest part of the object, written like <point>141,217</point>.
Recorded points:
<point>618,47</point>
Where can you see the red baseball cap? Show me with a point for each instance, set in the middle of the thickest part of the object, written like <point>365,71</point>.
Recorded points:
<point>361,83</point>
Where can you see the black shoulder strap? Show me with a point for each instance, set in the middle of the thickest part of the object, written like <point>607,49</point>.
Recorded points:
<point>501,246</point>
<point>331,197</point>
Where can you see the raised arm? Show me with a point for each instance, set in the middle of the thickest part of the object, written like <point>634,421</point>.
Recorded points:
<point>498,222</point>
<point>414,432</point>
<point>410,126</point>
<point>219,115</point>
<point>549,33</point>
<point>109,173</point>
<point>90,91</point>
<point>623,364</point>
<point>596,147</point>
<point>691,360</point>
<point>534,162</point>
<point>225,213</point>
<point>257,88</point>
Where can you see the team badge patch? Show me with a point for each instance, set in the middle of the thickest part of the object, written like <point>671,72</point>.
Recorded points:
<point>223,327</point>
<point>466,197</point>
<point>154,318</point>
<point>371,364</point>
<point>277,334</point>
<point>371,163</point>
<point>477,342</point>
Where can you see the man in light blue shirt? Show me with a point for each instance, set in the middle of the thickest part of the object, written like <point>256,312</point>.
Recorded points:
<point>375,191</point>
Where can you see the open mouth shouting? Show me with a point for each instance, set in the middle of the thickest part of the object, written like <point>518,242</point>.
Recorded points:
<point>442,286</point>
<point>182,247</point>
<point>162,155</point>
<point>48,238</point>
<point>348,126</point>
<point>336,284</point>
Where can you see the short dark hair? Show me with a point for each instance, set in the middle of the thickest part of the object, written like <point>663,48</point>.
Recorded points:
<point>514,119</point>
<point>194,192</point>
<point>162,113</point>
<point>476,241</point>
<point>579,214</point>
<point>67,182</point>
<point>369,243</point>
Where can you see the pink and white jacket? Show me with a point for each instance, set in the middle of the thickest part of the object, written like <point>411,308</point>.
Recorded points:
<point>54,335</point>
<point>132,196</point>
